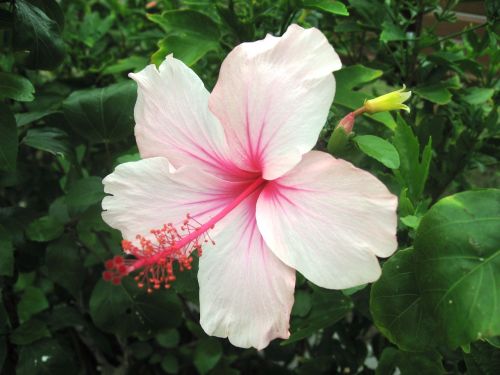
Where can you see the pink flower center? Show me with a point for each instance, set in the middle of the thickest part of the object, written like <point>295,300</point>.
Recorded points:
<point>155,257</point>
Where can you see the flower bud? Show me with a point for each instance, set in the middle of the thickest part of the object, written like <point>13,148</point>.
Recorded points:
<point>347,122</point>
<point>388,102</point>
<point>340,136</point>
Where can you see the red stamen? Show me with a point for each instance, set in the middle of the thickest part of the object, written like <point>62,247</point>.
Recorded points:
<point>155,256</point>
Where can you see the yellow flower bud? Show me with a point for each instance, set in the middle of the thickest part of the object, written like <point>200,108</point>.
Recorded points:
<point>388,102</point>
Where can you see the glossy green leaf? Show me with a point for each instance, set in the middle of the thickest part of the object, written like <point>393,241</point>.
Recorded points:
<point>391,32</point>
<point>185,48</point>
<point>39,35</point>
<point>84,193</point>
<point>94,27</point>
<point>52,9</point>
<point>170,364</point>
<point>30,331</point>
<point>438,93</point>
<point>44,229</point>
<point>379,149</point>
<point>104,114</point>
<point>302,304</point>
<point>207,354</point>
<point>127,310</point>
<point>65,265</point>
<point>190,35</point>
<point>328,307</point>
<point>396,305</point>
<point>458,265</point>
<point>8,139</point>
<point>409,363</point>
<point>32,302</point>
<point>26,118</point>
<point>168,339</point>
<point>478,95</point>
<point>328,6</point>
<point>414,164</point>
<point>52,140</point>
<point>46,357</point>
<point>14,86</point>
<point>128,64</point>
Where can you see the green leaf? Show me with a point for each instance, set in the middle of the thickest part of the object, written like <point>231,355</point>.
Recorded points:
<point>29,332</point>
<point>477,95</point>
<point>348,80</point>
<point>84,193</point>
<point>16,87</point>
<point>52,140</point>
<point>93,27</point>
<point>63,316</point>
<point>207,354</point>
<point>411,221</point>
<point>328,307</point>
<point>379,149</point>
<point>170,364</point>
<point>59,210</point>
<point>65,265</point>
<point>414,169</point>
<point>44,229</point>
<point>8,139</point>
<point>127,310</point>
<point>329,6</point>
<point>6,253</point>
<point>104,114</point>
<point>39,35</point>
<point>396,305</point>
<point>32,302</point>
<point>483,359</point>
<point>45,357</point>
<point>168,339</point>
<point>52,9</point>
<point>186,49</point>
<point>391,32</point>
<point>131,63</point>
<point>302,304</point>
<point>438,93</point>
<point>190,35</point>
<point>26,118</point>
<point>409,363</point>
<point>458,265</point>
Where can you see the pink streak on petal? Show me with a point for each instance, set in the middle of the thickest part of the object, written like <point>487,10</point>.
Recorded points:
<point>329,220</point>
<point>246,293</point>
<point>273,97</point>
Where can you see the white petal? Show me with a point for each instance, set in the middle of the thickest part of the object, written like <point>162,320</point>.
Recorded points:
<point>273,98</point>
<point>329,220</point>
<point>246,293</point>
<point>173,120</point>
<point>149,193</point>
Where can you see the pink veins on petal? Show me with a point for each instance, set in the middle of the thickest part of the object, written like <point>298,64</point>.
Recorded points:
<point>240,161</point>
<point>154,258</point>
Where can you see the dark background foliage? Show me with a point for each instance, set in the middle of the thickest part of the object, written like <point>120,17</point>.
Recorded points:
<point>66,120</point>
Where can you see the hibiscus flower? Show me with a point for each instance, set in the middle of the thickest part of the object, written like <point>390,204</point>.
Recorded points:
<point>235,167</point>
